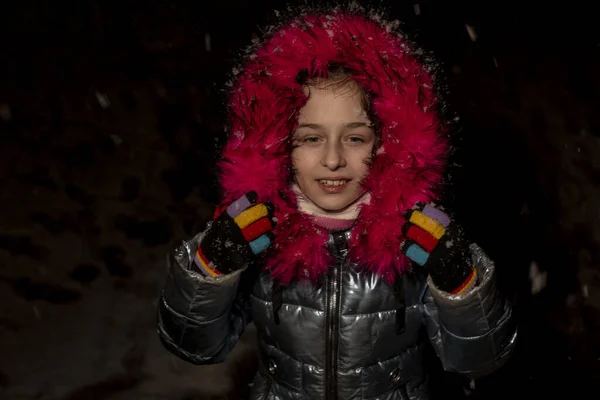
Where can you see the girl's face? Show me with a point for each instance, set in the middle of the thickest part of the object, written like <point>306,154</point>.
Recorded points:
<point>332,145</point>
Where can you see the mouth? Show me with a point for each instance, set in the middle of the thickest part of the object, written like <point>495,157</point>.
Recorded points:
<point>333,186</point>
<point>333,182</point>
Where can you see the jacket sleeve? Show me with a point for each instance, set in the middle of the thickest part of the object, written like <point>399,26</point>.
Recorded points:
<point>200,319</point>
<point>473,333</point>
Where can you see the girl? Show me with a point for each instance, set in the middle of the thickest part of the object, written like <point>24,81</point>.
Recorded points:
<point>328,238</point>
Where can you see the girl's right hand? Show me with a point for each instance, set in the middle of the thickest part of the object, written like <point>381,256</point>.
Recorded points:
<point>238,233</point>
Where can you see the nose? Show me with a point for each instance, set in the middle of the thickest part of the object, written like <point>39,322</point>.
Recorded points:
<point>333,156</point>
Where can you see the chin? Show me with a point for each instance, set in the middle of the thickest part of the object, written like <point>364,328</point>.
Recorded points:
<point>334,205</point>
<point>330,207</point>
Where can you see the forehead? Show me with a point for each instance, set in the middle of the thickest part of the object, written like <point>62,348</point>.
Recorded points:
<point>333,105</point>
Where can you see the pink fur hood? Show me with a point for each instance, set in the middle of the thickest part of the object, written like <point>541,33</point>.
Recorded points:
<point>263,108</point>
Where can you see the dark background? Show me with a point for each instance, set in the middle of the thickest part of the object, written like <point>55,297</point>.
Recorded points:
<point>110,112</point>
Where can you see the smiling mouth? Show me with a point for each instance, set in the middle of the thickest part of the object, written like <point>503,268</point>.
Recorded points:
<point>333,186</point>
<point>327,182</point>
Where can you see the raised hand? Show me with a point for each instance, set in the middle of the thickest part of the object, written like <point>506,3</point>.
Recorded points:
<point>238,233</point>
<point>437,243</point>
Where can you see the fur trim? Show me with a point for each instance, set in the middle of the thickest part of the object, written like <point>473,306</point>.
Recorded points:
<point>263,108</point>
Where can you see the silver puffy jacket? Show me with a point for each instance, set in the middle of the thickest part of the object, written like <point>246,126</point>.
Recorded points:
<point>352,337</point>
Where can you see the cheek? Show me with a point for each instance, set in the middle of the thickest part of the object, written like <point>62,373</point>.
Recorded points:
<point>299,164</point>
<point>303,155</point>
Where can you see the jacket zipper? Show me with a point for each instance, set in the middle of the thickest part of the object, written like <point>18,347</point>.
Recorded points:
<point>332,331</point>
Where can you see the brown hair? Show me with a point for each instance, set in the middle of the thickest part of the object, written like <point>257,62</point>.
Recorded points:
<point>340,79</point>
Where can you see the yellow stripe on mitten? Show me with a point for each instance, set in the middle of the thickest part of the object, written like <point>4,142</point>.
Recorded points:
<point>251,215</point>
<point>430,225</point>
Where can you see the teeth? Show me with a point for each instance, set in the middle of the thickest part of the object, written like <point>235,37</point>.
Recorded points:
<point>332,183</point>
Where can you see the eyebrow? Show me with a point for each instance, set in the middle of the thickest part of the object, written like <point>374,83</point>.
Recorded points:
<point>348,125</point>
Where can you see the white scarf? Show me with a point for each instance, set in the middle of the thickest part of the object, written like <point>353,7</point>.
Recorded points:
<point>307,206</point>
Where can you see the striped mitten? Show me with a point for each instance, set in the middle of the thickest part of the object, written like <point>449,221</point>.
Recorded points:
<point>434,242</point>
<point>237,234</point>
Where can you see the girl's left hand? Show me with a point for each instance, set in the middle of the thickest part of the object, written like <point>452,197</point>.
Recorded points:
<point>437,243</point>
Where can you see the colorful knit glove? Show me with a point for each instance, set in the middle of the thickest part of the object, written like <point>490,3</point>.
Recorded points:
<point>237,234</point>
<point>434,242</point>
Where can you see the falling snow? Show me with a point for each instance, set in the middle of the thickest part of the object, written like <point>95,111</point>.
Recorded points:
<point>471,32</point>
<point>5,112</point>
<point>116,139</point>
<point>103,100</point>
<point>207,42</point>
<point>537,278</point>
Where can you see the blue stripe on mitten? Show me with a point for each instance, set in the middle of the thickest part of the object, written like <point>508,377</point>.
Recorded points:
<point>417,254</point>
<point>261,243</point>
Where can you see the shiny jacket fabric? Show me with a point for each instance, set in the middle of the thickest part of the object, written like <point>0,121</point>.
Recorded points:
<point>350,336</point>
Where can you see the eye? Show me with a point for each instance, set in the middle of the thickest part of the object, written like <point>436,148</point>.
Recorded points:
<point>310,139</point>
<point>356,139</point>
